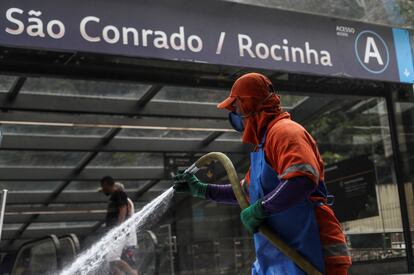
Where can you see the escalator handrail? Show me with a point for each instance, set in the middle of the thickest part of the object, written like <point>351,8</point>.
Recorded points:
<point>54,240</point>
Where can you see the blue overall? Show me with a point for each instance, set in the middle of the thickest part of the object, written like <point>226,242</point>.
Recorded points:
<point>297,226</point>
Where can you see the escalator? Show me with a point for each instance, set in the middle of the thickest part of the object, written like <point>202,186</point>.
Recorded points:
<point>51,254</point>
<point>47,255</point>
<point>69,248</point>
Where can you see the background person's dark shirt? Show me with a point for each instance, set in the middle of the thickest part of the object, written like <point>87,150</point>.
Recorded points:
<point>116,200</point>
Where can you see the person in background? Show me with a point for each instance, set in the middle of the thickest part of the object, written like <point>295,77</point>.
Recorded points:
<point>128,253</point>
<point>117,213</point>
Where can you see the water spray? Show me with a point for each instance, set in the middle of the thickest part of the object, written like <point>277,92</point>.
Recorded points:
<point>89,261</point>
<point>92,259</point>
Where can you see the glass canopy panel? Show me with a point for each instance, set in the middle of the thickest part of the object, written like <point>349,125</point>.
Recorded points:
<point>230,136</point>
<point>351,128</point>
<point>10,158</point>
<point>46,225</point>
<point>29,185</point>
<point>58,207</point>
<point>385,12</point>
<point>83,88</point>
<point>162,185</point>
<point>133,133</point>
<point>11,226</point>
<point>291,101</point>
<point>190,94</point>
<point>42,130</point>
<point>92,185</point>
<point>6,83</point>
<point>122,159</point>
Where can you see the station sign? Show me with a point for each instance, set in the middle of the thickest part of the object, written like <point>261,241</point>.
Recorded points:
<point>213,32</point>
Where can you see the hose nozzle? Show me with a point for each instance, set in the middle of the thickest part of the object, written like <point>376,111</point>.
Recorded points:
<point>192,169</point>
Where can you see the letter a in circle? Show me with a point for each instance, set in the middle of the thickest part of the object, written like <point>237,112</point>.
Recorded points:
<point>371,50</point>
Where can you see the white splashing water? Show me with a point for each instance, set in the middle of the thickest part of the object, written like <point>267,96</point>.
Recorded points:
<point>93,258</point>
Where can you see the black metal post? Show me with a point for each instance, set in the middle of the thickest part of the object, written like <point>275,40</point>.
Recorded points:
<point>398,164</point>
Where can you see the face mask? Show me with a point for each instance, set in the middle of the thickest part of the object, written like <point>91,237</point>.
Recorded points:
<point>236,121</point>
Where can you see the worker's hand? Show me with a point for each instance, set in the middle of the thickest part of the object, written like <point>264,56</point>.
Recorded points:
<point>186,182</point>
<point>253,216</point>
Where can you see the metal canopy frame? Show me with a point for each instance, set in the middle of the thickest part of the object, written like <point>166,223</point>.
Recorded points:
<point>117,114</point>
<point>85,105</point>
<point>110,135</point>
<point>119,144</point>
<point>112,114</point>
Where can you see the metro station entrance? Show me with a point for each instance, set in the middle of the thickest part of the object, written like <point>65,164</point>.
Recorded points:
<point>71,116</point>
<point>60,135</point>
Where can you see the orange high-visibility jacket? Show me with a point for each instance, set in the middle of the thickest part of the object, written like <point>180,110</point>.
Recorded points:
<point>291,151</point>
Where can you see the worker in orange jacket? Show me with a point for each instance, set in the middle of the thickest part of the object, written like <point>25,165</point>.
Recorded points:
<point>285,184</point>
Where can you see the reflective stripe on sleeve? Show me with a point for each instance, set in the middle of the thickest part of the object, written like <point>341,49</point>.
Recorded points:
<point>302,167</point>
<point>340,249</point>
<point>280,187</point>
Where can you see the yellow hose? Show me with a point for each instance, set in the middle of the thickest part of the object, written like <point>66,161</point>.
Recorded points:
<point>241,199</point>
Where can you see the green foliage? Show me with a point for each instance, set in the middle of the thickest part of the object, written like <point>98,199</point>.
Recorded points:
<point>386,12</point>
<point>407,11</point>
<point>331,157</point>
<point>351,127</point>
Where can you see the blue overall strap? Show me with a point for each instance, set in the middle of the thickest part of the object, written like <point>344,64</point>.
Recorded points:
<point>261,145</point>
<point>322,192</point>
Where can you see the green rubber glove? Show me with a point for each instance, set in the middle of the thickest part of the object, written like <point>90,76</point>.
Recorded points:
<point>186,182</point>
<point>253,216</point>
